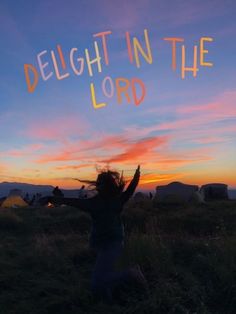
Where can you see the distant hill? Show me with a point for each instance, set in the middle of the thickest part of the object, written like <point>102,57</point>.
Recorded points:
<point>6,187</point>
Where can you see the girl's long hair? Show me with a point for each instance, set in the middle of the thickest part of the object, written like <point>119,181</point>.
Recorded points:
<point>108,183</point>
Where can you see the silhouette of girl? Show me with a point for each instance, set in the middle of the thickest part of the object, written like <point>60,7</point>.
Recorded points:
<point>107,234</point>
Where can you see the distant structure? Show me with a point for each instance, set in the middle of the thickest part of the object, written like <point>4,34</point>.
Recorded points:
<point>176,192</point>
<point>214,191</point>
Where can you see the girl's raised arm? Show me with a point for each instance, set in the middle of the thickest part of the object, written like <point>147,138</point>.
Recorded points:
<point>132,186</point>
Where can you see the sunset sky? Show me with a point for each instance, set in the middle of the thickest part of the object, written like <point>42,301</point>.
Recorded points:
<point>184,129</point>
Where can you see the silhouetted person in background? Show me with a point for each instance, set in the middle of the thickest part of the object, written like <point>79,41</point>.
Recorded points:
<point>27,198</point>
<point>107,234</point>
<point>82,193</point>
<point>37,198</point>
<point>32,200</point>
<point>57,192</point>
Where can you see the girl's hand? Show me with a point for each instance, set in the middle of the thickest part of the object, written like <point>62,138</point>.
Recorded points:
<point>137,172</point>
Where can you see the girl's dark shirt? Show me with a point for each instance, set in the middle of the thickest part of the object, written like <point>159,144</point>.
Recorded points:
<point>107,225</point>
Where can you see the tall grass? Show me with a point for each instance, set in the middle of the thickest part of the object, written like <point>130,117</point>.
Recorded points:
<point>187,254</point>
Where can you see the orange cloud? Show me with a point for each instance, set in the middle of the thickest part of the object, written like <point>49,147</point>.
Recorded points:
<point>155,178</point>
<point>85,149</point>
<point>139,151</point>
<point>73,167</point>
<point>151,152</point>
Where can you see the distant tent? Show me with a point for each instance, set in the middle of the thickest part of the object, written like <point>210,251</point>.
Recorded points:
<point>197,198</point>
<point>2,199</point>
<point>175,192</point>
<point>14,201</point>
<point>214,191</point>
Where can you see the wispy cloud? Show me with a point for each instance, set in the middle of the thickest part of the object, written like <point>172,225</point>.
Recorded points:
<point>220,108</point>
<point>152,178</point>
<point>25,151</point>
<point>56,128</point>
<point>196,123</point>
<point>84,149</point>
<point>73,167</point>
<point>138,151</point>
<point>105,150</point>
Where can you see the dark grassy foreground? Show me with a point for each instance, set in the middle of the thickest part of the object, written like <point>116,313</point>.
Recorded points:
<point>188,255</point>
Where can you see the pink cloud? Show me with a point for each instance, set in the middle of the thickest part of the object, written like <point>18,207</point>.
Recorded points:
<point>221,108</point>
<point>25,151</point>
<point>197,108</point>
<point>209,140</point>
<point>59,128</point>
<point>177,124</point>
<point>197,123</point>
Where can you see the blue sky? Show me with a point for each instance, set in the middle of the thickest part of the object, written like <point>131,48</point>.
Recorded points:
<point>183,130</point>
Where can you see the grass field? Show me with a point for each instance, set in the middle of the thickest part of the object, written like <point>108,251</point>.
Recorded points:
<point>188,254</point>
